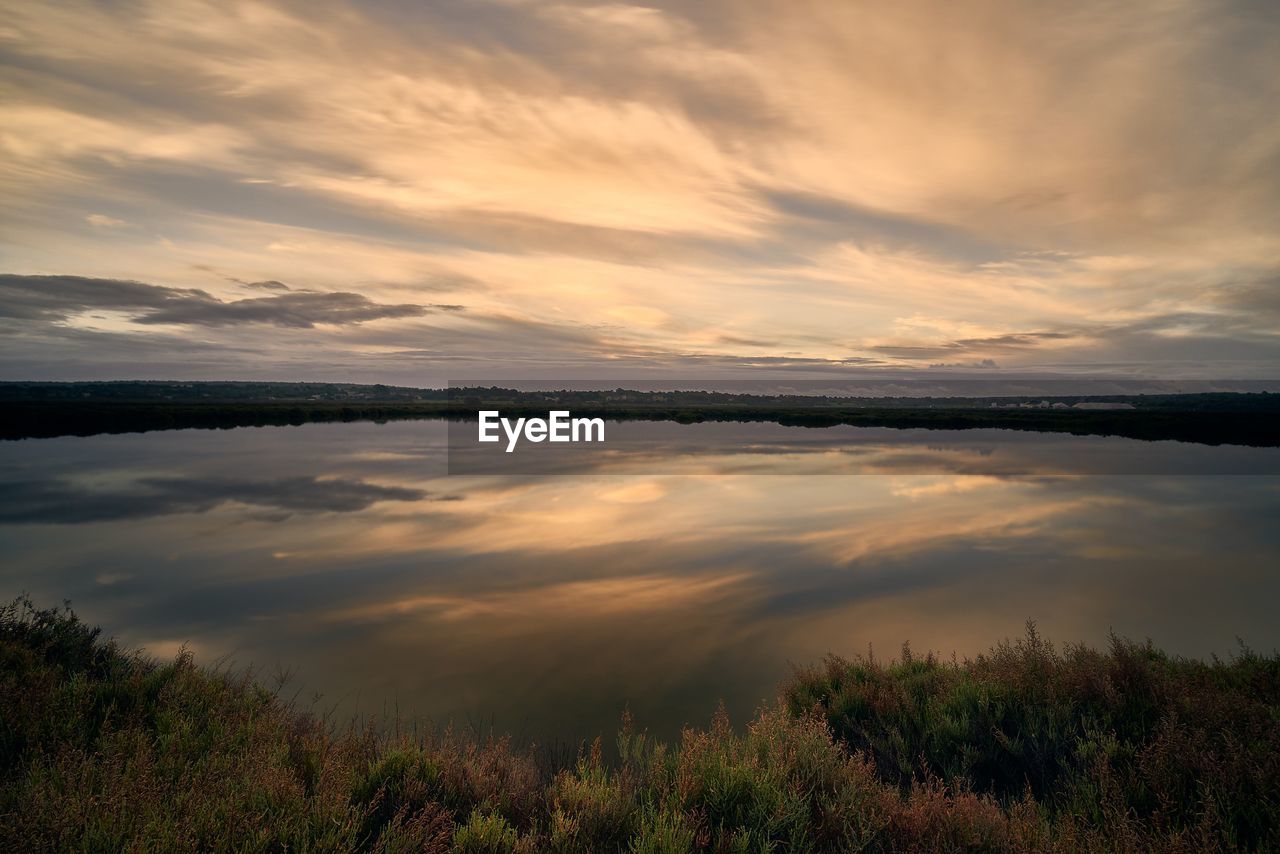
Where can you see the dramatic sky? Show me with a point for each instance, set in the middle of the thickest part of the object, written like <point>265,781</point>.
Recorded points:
<point>418,190</point>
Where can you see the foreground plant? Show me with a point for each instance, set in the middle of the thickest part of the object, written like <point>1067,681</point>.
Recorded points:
<point>1022,749</point>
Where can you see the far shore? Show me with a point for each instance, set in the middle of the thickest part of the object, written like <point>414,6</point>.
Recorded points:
<point>46,410</point>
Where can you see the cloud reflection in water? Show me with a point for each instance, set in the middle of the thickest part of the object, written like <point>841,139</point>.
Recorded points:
<point>544,604</point>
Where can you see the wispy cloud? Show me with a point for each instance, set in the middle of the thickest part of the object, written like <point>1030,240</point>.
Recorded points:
<point>60,297</point>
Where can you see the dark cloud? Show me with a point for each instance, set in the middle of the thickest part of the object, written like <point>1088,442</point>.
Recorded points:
<point>1189,337</point>
<point>961,346</point>
<point>269,285</point>
<point>63,502</point>
<point>1013,339</point>
<point>55,298</point>
<point>1185,337</point>
<point>981,363</point>
<point>296,310</point>
<point>741,341</point>
<point>1258,297</point>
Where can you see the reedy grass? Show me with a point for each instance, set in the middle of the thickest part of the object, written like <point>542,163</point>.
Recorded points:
<point>1022,749</point>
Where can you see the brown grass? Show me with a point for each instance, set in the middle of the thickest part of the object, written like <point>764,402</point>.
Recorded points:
<point>1023,750</point>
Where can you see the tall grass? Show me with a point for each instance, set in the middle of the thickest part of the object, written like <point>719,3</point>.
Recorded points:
<point>1178,747</point>
<point>1022,749</point>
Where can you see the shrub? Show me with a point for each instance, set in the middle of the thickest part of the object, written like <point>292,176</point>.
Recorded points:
<point>1023,749</point>
<point>486,834</point>
<point>1175,744</point>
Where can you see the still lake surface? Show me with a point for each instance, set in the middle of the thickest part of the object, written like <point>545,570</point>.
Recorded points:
<point>695,567</point>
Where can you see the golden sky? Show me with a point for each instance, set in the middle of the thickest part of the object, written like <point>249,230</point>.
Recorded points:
<point>412,191</point>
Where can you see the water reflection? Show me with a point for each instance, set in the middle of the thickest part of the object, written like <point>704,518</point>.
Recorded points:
<point>544,604</point>
<point>666,447</point>
<point>65,501</point>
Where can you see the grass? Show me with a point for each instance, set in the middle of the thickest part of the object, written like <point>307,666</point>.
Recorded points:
<point>1025,748</point>
<point>1179,746</point>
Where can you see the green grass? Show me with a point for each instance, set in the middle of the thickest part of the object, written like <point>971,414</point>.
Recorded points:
<point>1025,748</point>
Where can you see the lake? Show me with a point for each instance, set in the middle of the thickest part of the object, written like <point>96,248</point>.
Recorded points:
<point>691,564</point>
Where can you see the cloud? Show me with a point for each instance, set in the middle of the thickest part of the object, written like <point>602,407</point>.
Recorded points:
<point>269,285</point>
<point>981,363</point>
<point>1008,342</point>
<point>56,298</point>
<point>303,311</point>
<point>1261,297</point>
<point>802,180</point>
<point>104,221</point>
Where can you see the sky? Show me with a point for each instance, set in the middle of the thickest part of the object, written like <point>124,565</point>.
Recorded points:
<point>414,192</point>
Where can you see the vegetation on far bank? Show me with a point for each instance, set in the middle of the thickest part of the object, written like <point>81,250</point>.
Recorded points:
<point>1025,748</point>
<point>44,410</point>
<point>238,391</point>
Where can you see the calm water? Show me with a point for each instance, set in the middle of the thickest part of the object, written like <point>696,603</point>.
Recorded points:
<point>704,561</point>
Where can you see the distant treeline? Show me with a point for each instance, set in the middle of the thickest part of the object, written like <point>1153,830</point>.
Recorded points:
<point>233,391</point>
<point>156,391</point>
<point>39,410</point>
